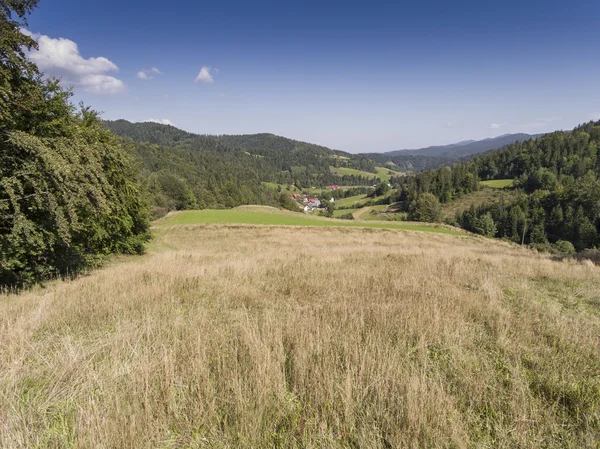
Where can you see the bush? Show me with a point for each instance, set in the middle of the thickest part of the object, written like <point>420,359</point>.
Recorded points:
<point>286,202</point>
<point>347,217</point>
<point>564,248</point>
<point>589,254</point>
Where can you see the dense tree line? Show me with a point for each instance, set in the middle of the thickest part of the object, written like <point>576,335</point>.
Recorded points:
<point>409,162</point>
<point>558,176</point>
<point>447,184</point>
<point>68,192</point>
<point>183,170</point>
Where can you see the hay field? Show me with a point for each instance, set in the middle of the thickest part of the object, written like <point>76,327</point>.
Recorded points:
<point>228,336</point>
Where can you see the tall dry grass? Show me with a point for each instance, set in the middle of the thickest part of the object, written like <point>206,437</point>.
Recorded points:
<point>236,336</point>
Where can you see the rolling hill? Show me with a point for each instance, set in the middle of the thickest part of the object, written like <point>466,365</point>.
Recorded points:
<point>182,170</point>
<point>437,156</point>
<point>465,148</point>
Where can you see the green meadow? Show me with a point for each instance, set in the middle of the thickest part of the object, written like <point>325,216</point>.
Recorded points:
<point>350,201</point>
<point>383,174</point>
<point>497,183</point>
<point>339,212</point>
<point>275,217</point>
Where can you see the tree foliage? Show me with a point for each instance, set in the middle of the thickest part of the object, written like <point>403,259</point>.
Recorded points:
<point>68,193</point>
<point>557,175</point>
<point>426,207</point>
<point>227,171</point>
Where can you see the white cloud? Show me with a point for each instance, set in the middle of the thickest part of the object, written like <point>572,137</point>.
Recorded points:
<point>595,116</point>
<point>204,77</point>
<point>494,126</point>
<point>164,121</point>
<point>147,74</point>
<point>102,84</point>
<point>449,125</point>
<point>61,58</point>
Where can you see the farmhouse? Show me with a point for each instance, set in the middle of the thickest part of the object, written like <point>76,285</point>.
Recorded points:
<point>312,204</point>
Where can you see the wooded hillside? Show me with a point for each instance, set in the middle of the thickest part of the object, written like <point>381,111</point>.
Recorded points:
<point>557,175</point>
<point>184,170</point>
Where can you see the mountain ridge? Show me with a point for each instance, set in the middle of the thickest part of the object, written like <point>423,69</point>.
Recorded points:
<point>464,148</point>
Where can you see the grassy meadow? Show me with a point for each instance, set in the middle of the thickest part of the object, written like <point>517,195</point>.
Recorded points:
<point>351,200</point>
<point>383,174</point>
<point>497,183</point>
<point>339,212</point>
<point>227,336</point>
<point>264,215</point>
<point>485,196</point>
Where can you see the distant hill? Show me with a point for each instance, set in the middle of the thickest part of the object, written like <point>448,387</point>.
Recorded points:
<point>169,135</point>
<point>438,156</point>
<point>183,170</point>
<point>465,148</point>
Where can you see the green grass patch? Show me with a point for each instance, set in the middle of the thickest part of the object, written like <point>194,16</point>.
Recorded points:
<point>350,201</point>
<point>485,196</point>
<point>340,212</point>
<point>284,187</point>
<point>359,201</point>
<point>370,215</point>
<point>498,183</point>
<point>345,171</point>
<point>271,216</point>
<point>383,174</point>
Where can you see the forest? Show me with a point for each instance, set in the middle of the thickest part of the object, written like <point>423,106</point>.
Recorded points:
<point>186,171</point>
<point>557,177</point>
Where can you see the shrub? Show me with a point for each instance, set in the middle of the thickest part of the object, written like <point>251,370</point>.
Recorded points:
<point>589,254</point>
<point>564,248</point>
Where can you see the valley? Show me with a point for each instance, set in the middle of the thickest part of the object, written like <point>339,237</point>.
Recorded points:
<point>176,273</point>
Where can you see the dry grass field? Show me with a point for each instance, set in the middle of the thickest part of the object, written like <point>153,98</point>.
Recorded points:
<point>260,337</point>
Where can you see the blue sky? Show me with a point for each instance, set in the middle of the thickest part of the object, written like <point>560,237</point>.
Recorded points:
<point>360,77</point>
